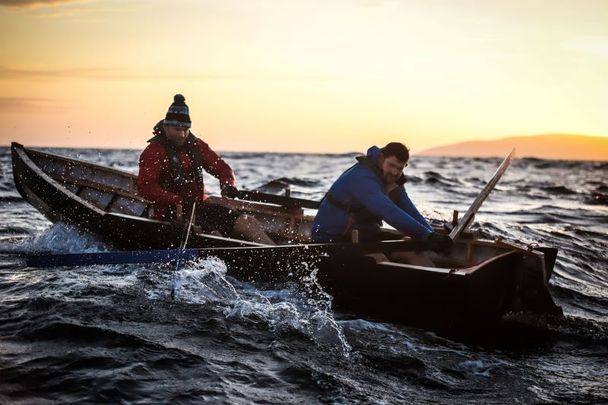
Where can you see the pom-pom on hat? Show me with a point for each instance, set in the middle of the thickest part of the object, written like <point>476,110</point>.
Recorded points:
<point>178,114</point>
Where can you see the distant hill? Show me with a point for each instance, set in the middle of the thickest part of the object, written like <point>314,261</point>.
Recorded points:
<point>569,147</point>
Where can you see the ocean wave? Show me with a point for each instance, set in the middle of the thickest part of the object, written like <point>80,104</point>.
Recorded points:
<point>14,230</point>
<point>74,332</point>
<point>597,199</point>
<point>413,179</point>
<point>10,199</point>
<point>575,328</point>
<point>558,190</point>
<point>432,177</point>
<point>602,187</point>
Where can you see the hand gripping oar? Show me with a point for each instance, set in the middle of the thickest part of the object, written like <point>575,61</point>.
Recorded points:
<point>467,219</point>
<point>176,283</point>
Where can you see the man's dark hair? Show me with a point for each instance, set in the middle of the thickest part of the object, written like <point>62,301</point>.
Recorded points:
<point>396,149</point>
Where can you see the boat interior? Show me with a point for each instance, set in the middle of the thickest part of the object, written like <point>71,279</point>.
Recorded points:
<point>114,191</point>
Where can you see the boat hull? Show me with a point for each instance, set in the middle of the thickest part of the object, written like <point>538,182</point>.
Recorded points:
<point>476,281</point>
<point>420,295</point>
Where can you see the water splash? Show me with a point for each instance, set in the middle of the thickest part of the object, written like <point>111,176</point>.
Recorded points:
<point>202,281</point>
<point>294,314</point>
<point>306,310</point>
<point>64,238</point>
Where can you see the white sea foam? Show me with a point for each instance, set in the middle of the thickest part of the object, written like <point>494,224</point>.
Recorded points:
<point>284,316</point>
<point>204,280</point>
<point>63,238</point>
<point>480,368</point>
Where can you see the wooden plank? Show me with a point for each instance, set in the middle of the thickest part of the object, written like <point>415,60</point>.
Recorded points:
<point>467,219</point>
<point>128,205</point>
<point>101,199</point>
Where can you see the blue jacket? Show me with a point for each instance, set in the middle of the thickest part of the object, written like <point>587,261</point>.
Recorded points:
<point>362,186</point>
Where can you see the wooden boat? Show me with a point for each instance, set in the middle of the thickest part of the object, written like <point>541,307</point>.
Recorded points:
<point>477,280</point>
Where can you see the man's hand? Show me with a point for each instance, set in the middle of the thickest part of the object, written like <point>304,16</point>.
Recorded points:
<point>439,242</point>
<point>230,191</point>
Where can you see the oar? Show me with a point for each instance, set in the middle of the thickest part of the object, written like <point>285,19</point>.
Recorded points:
<point>289,202</point>
<point>466,220</point>
<point>176,284</point>
<point>260,254</point>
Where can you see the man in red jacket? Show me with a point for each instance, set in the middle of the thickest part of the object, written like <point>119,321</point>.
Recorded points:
<point>171,173</point>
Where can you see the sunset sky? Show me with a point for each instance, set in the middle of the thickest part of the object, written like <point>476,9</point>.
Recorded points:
<point>307,75</point>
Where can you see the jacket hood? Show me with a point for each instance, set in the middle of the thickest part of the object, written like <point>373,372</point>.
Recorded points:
<point>373,153</point>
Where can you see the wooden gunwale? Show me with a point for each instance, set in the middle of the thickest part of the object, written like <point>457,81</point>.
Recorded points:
<point>31,165</point>
<point>71,161</point>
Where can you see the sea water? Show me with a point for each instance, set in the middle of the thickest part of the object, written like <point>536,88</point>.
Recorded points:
<point>112,333</point>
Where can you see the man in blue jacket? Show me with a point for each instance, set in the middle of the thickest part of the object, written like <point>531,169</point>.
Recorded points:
<point>366,194</point>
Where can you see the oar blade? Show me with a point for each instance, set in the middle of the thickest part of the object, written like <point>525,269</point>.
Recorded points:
<point>467,219</point>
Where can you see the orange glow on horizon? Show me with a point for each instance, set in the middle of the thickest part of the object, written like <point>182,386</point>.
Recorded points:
<point>302,76</point>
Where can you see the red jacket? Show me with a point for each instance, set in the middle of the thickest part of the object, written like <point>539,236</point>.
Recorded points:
<point>154,172</point>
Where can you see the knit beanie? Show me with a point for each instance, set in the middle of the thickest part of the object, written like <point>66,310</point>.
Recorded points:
<point>178,114</point>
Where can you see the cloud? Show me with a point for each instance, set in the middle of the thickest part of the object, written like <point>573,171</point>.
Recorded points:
<point>10,73</point>
<point>34,3</point>
<point>29,104</point>
<point>101,74</point>
<point>74,73</point>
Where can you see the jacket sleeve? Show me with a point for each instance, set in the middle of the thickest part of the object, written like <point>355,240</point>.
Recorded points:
<point>404,202</point>
<point>151,163</point>
<point>215,165</point>
<point>369,193</point>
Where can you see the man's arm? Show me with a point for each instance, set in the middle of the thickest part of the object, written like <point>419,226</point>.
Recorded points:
<point>215,165</point>
<point>369,193</point>
<point>404,202</point>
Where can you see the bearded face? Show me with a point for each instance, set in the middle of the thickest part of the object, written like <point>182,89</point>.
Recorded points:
<point>391,168</point>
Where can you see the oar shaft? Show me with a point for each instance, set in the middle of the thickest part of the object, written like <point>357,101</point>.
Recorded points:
<point>291,202</point>
<point>175,284</point>
<point>191,219</point>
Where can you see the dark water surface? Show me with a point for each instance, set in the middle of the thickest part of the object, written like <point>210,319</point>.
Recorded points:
<point>112,334</point>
